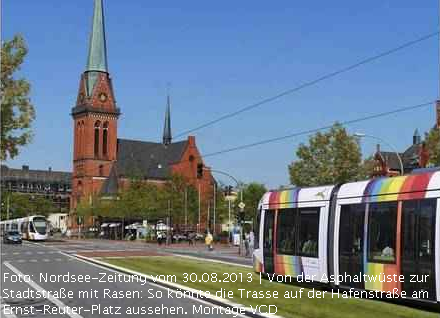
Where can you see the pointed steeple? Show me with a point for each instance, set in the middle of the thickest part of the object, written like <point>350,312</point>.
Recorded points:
<point>417,139</point>
<point>97,58</point>
<point>167,127</point>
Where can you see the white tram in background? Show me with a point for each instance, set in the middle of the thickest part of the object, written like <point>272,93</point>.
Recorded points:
<point>381,226</point>
<point>32,228</point>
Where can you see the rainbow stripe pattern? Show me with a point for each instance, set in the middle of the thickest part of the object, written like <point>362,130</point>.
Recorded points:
<point>376,279</point>
<point>397,188</point>
<point>258,266</point>
<point>284,199</point>
<point>288,265</point>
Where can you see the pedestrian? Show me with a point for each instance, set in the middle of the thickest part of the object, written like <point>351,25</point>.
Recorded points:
<point>191,238</point>
<point>246,243</point>
<point>208,241</point>
<point>251,241</point>
<point>159,238</point>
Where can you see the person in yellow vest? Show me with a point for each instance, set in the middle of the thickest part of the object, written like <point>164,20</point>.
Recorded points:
<point>208,241</point>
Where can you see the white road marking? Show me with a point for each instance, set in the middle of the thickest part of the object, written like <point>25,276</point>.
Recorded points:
<point>46,260</point>
<point>84,260</point>
<point>33,261</point>
<point>58,259</point>
<point>37,287</point>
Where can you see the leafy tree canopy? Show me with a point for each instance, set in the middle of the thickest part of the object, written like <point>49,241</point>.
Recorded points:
<point>17,112</point>
<point>329,158</point>
<point>433,143</point>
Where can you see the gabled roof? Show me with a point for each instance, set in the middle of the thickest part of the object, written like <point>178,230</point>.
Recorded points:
<point>147,160</point>
<point>410,158</point>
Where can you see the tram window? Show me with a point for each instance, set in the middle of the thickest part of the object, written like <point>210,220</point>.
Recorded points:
<point>257,230</point>
<point>309,232</point>
<point>382,224</point>
<point>427,219</point>
<point>286,232</point>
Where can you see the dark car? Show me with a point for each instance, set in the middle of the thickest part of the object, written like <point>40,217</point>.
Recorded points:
<point>12,237</point>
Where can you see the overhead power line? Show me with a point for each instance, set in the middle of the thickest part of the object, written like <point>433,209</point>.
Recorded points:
<point>311,83</point>
<point>315,130</point>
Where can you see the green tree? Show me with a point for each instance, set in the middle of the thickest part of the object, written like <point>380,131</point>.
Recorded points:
<point>329,158</point>
<point>21,205</point>
<point>252,193</point>
<point>17,112</point>
<point>433,143</point>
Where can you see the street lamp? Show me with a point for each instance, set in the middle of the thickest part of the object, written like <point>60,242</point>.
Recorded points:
<point>361,135</point>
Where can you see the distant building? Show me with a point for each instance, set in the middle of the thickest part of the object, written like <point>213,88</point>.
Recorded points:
<point>414,157</point>
<point>54,185</point>
<point>104,163</point>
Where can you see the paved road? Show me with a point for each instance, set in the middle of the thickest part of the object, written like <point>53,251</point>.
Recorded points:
<point>48,261</point>
<point>222,253</point>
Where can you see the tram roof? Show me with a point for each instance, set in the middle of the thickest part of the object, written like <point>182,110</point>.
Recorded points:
<point>413,186</point>
<point>289,198</point>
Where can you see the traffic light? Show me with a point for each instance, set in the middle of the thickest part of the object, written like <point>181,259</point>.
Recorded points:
<point>228,191</point>
<point>199,170</point>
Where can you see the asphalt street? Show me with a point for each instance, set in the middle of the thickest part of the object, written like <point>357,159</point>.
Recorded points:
<point>28,268</point>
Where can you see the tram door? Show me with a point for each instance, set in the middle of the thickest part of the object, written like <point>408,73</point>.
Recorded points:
<point>268,240</point>
<point>418,246</point>
<point>351,244</point>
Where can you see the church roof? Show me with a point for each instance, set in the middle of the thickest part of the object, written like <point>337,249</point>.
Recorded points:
<point>148,160</point>
<point>110,186</point>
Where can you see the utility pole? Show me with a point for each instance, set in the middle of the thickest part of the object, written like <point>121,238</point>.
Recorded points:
<point>198,224</point>
<point>209,216</point>
<point>186,209</point>
<point>7,207</point>
<point>169,223</point>
<point>215,195</point>
<point>229,222</point>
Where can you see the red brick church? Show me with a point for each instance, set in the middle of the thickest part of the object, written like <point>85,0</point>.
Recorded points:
<point>104,163</point>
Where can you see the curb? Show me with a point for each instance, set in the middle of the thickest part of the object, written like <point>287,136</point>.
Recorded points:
<point>174,286</point>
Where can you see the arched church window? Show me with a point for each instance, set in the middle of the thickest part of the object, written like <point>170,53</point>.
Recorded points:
<point>78,140</point>
<point>104,139</point>
<point>96,148</point>
<point>81,138</point>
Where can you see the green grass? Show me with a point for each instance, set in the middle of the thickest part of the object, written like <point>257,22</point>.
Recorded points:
<point>301,307</point>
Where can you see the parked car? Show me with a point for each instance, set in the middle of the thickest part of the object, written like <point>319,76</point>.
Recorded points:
<point>12,237</point>
<point>179,238</point>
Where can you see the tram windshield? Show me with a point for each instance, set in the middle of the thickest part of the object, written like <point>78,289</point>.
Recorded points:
<point>40,225</point>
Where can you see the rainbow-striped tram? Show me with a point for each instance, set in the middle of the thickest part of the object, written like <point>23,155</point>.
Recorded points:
<point>355,232</point>
<point>32,228</point>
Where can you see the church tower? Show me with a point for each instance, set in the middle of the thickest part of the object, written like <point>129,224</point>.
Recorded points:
<point>95,117</point>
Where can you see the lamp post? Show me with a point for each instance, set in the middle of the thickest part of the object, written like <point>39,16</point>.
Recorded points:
<point>361,135</point>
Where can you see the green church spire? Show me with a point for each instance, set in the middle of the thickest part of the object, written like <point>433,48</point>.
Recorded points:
<point>97,59</point>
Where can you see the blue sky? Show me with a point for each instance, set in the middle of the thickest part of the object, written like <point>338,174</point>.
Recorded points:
<point>223,55</point>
